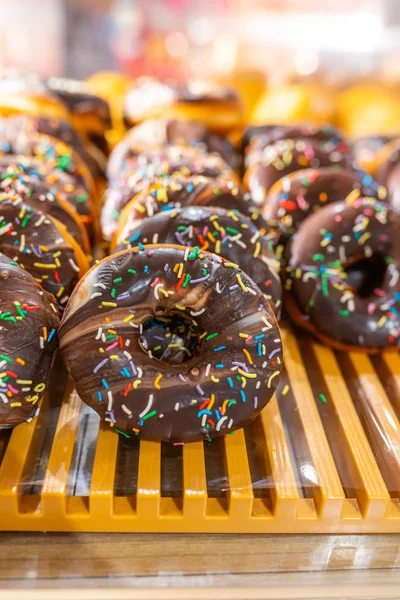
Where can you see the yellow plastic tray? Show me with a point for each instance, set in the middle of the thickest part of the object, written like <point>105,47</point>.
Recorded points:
<point>324,456</point>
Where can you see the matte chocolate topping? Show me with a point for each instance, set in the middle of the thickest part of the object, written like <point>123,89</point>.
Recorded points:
<point>344,273</point>
<point>57,182</point>
<point>300,194</point>
<point>33,192</point>
<point>172,192</point>
<point>28,339</point>
<point>232,366</point>
<point>155,133</point>
<point>226,233</point>
<point>284,157</point>
<point>40,245</point>
<point>60,129</point>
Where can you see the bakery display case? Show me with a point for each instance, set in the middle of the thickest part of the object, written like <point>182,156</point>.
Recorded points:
<point>200,299</point>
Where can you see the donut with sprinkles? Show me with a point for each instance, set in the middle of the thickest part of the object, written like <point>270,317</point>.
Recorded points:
<point>284,157</point>
<point>28,339</point>
<point>300,194</point>
<point>172,192</point>
<point>41,245</point>
<point>343,275</point>
<point>225,232</point>
<point>231,344</point>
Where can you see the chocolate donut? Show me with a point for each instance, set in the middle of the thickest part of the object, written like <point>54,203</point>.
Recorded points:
<point>172,192</point>
<point>226,233</point>
<point>388,170</point>
<point>154,134</point>
<point>344,275</point>
<point>57,182</point>
<point>42,246</point>
<point>28,340</point>
<point>302,193</point>
<point>284,157</point>
<point>216,107</point>
<point>366,150</point>
<point>33,192</point>
<point>233,360</point>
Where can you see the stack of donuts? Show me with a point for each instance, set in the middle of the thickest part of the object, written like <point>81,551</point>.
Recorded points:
<point>174,335</point>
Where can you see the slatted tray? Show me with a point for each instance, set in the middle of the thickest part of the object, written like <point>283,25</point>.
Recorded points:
<point>324,456</point>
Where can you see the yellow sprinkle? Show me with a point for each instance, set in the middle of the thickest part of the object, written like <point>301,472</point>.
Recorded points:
<point>15,404</point>
<point>32,399</point>
<point>43,266</point>
<point>136,383</point>
<point>24,381</point>
<point>180,270</point>
<point>60,292</point>
<point>217,246</point>
<point>285,390</point>
<point>20,361</point>
<point>382,321</point>
<point>247,354</point>
<point>364,238</point>
<point>202,335</point>
<point>57,261</point>
<point>244,381</point>
<point>114,357</point>
<point>257,250</point>
<point>247,375</point>
<point>244,335</point>
<point>231,264</point>
<point>101,349</point>
<point>352,197</point>
<point>129,318</point>
<point>214,379</point>
<point>161,289</point>
<point>271,378</point>
<point>157,380</point>
<point>244,288</point>
<point>180,307</point>
<point>176,267</point>
<point>109,304</point>
<point>211,403</point>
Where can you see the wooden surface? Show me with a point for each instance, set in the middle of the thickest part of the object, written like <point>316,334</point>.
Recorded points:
<point>74,566</point>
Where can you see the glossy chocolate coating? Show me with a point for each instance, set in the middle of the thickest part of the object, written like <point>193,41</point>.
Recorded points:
<point>28,340</point>
<point>258,137</point>
<point>225,232</point>
<point>342,249</point>
<point>57,182</point>
<point>388,173</point>
<point>157,133</point>
<point>79,100</point>
<point>33,192</point>
<point>284,157</point>
<point>302,193</point>
<point>138,394</point>
<point>34,240</point>
<point>174,192</point>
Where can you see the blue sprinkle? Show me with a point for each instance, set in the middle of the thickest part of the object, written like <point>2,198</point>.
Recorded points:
<point>260,336</point>
<point>146,269</point>
<point>218,414</point>
<point>141,245</point>
<point>135,237</point>
<point>259,349</point>
<point>219,366</point>
<point>219,348</point>
<point>230,382</point>
<point>99,397</point>
<point>105,384</point>
<point>243,395</point>
<point>52,332</point>
<point>396,296</point>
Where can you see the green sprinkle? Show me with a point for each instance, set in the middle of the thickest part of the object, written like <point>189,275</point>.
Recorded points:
<point>322,398</point>
<point>217,192</point>
<point>388,260</point>
<point>181,228</point>
<point>187,279</point>
<point>231,433</point>
<point>211,336</point>
<point>344,313</point>
<point>318,257</point>
<point>113,293</point>
<point>19,310</point>
<point>117,280</point>
<point>64,162</point>
<point>150,414</point>
<point>25,221</point>
<point>194,253</point>
<point>132,271</point>
<point>324,285</point>
<point>122,432</point>
<point>231,230</point>
<point>6,358</point>
<point>81,198</point>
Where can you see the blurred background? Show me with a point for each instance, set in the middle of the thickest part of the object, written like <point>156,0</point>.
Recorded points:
<point>317,57</point>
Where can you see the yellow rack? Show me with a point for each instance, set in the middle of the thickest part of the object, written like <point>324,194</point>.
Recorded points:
<point>324,456</point>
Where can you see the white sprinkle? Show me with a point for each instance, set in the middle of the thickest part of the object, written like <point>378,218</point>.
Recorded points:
<point>110,400</point>
<point>208,369</point>
<point>95,295</point>
<point>41,342</point>
<point>221,422</point>
<point>177,406</point>
<point>148,406</point>
<point>126,409</point>
<point>101,285</point>
<point>197,313</point>
<point>230,423</point>
<point>73,265</point>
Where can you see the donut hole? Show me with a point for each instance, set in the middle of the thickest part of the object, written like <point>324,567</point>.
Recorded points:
<point>172,338</point>
<point>366,275</point>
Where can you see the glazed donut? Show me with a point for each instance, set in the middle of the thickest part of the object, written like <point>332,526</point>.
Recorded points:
<point>172,192</point>
<point>388,170</point>
<point>225,232</point>
<point>344,275</point>
<point>154,134</point>
<point>56,182</point>
<point>229,358</point>
<point>217,108</point>
<point>284,157</point>
<point>28,340</point>
<point>42,246</point>
<point>302,193</point>
<point>90,115</point>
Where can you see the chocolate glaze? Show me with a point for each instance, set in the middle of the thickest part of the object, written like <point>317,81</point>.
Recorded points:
<point>302,193</point>
<point>153,134</point>
<point>35,241</point>
<point>28,340</point>
<point>35,193</point>
<point>137,394</point>
<point>344,273</point>
<point>365,149</point>
<point>257,137</point>
<point>173,192</point>
<point>80,101</point>
<point>286,156</point>
<point>57,182</point>
<point>226,233</point>
<point>388,172</point>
